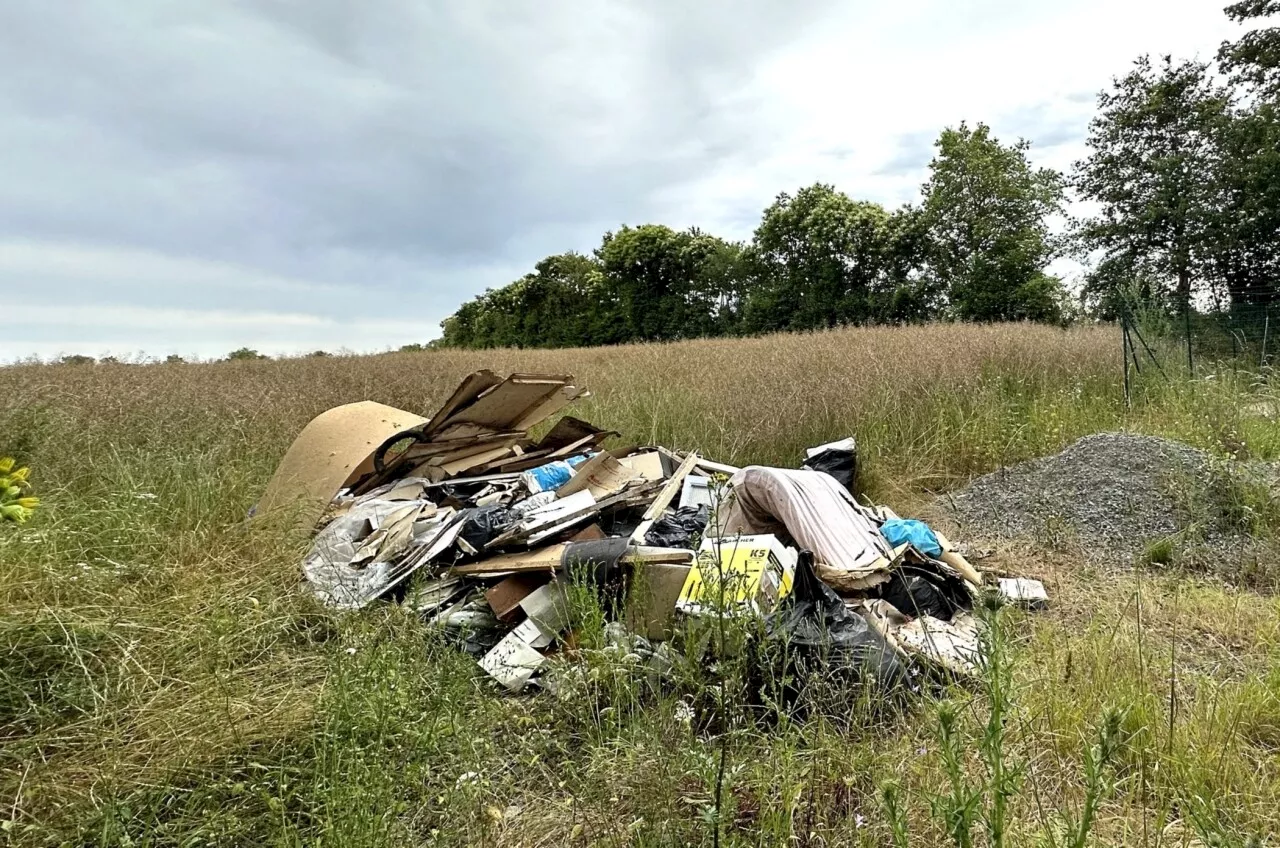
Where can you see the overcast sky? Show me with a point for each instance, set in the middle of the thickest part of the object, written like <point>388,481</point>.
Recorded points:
<point>298,174</point>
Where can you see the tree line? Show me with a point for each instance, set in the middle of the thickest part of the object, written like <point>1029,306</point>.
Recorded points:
<point>1182,176</point>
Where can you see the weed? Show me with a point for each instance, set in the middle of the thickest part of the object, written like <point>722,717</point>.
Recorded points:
<point>1158,552</point>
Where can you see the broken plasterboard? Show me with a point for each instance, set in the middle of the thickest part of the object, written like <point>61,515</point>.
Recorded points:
<point>648,465</point>
<point>696,492</point>
<point>512,662</point>
<point>1024,592</point>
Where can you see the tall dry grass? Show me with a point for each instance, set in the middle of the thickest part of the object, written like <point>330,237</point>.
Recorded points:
<point>165,681</point>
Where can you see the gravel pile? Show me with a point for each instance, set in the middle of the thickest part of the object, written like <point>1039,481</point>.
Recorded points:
<point>1110,492</point>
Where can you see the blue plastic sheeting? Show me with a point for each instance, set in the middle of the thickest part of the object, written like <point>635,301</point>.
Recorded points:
<point>915,533</point>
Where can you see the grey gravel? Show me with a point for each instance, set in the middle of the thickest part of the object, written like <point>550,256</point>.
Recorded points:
<point>1111,493</point>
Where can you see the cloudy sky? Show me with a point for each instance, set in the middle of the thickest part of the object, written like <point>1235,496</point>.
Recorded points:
<point>299,174</point>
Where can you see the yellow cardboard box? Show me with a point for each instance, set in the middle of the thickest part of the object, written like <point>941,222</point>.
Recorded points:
<point>758,572</point>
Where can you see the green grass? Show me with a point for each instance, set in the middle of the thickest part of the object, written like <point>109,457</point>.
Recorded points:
<point>165,680</point>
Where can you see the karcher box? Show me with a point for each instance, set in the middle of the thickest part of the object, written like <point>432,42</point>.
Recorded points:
<point>758,572</point>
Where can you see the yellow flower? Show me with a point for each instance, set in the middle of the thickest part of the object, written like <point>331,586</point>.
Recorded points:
<point>28,503</point>
<point>20,476</point>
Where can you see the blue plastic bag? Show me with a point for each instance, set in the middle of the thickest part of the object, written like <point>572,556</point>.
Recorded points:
<point>553,475</point>
<point>916,533</point>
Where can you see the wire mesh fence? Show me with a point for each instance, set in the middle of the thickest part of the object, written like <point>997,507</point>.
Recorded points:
<point>1176,343</point>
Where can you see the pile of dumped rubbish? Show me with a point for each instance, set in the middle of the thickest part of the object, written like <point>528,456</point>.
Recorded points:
<point>483,531</point>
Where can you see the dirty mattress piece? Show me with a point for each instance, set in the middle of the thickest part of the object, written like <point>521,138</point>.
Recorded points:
<point>818,513</point>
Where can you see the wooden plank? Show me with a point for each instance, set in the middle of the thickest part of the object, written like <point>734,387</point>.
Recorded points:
<point>542,559</point>
<point>664,499</point>
<point>646,554</point>
<point>718,467</point>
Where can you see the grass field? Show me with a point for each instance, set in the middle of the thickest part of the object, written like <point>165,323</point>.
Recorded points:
<point>166,681</point>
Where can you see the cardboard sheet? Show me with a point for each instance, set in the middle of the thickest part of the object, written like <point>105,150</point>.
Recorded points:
<point>505,596</point>
<point>331,452</point>
<point>654,588</point>
<point>505,406</point>
<point>471,388</point>
<point>602,475</point>
<point>648,465</point>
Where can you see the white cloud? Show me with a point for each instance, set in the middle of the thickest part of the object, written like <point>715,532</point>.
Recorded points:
<point>203,176</point>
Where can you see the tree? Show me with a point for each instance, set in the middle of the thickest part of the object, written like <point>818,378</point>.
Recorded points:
<point>562,303</point>
<point>244,353</point>
<point>666,284</point>
<point>1152,169</point>
<point>912,293</point>
<point>1243,241</point>
<point>174,359</point>
<point>1254,59</point>
<point>987,212</point>
<point>821,259</point>
<point>1249,231</point>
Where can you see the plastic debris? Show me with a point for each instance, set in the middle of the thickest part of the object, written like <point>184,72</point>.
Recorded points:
<point>487,534</point>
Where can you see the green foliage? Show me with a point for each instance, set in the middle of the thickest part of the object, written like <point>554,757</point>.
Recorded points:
<point>1254,59</point>
<point>986,209</point>
<point>1186,172</point>
<point>15,505</point>
<point>561,304</point>
<point>1098,760</point>
<point>666,285</point>
<point>168,684</point>
<point>1152,145</point>
<point>1159,552</point>
<point>244,354</point>
<point>824,260</point>
<point>174,359</point>
<point>76,359</point>
<point>818,259</point>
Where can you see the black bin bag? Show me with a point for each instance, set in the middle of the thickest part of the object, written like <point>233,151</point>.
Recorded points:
<point>839,461</point>
<point>482,525</point>
<point>824,636</point>
<point>678,529</point>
